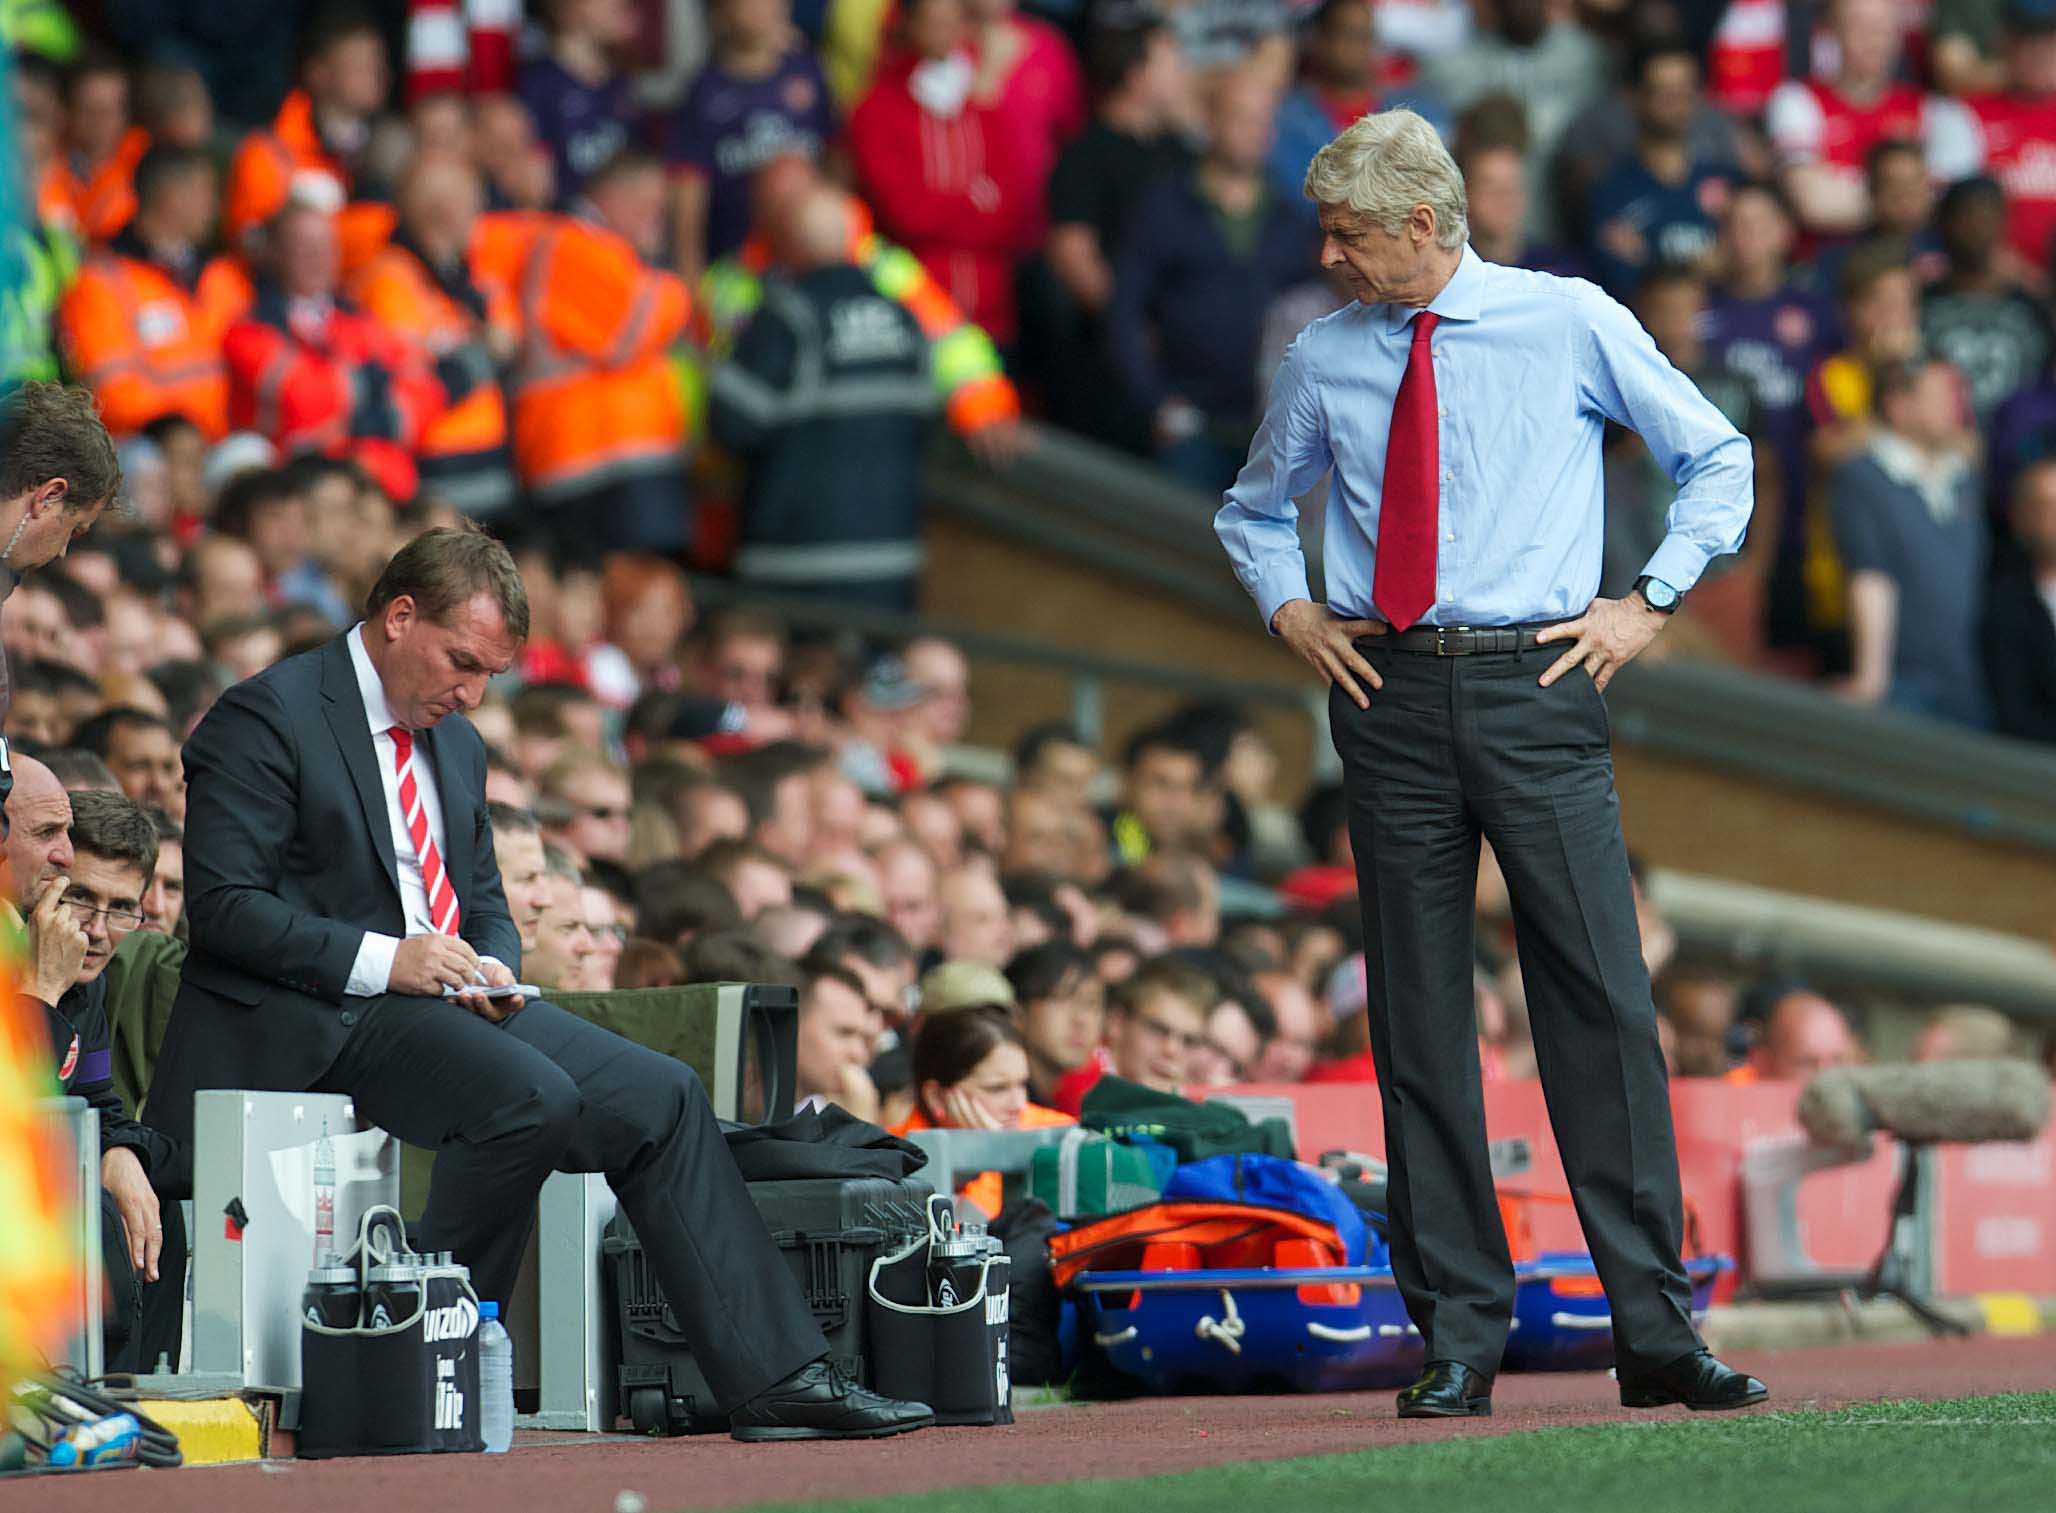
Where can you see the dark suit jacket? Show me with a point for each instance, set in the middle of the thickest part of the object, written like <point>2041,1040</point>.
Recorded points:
<point>2020,658</point>
<point>289,862</point>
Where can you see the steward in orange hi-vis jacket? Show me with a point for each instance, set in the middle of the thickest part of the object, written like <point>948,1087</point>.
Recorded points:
<point>421,284</point>
<point>306,152</point>
<point>143,325</point>
<point>316,375</point>
<point>599,423</point>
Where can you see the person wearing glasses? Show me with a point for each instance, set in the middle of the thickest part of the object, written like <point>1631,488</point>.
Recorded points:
<point>1156,1031</point>
<point>88,900</point>
<point>603,914</point>
<point>584,806</point>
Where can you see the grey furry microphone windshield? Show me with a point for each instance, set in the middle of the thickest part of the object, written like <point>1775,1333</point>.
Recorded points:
<point>1925,1101</point>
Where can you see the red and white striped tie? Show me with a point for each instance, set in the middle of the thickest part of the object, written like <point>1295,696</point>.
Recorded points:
<point>442,898</point>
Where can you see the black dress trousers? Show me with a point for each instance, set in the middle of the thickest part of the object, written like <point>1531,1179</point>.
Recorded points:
<point>505,1105</point>
<point>143,1320</point>
<point>1453,748</point>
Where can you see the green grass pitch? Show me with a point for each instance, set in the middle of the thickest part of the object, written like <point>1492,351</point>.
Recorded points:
<point>1978,1454</point>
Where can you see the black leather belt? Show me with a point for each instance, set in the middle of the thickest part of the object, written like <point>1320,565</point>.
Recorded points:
<point>1460,640</point>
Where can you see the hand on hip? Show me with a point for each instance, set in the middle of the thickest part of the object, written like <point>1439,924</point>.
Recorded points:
<point>1606,637</point>
<point>1326,643</point>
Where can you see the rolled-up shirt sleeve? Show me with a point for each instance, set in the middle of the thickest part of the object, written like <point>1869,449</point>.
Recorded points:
<point>1622,376</point>
<point>1259,522</point>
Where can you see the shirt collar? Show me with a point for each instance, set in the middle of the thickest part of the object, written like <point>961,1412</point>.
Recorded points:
<point>1458,300</point>
<point>376,710</point>
<point>1934,478</point>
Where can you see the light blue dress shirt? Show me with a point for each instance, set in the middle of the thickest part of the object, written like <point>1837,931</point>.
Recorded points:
<point>1529,368</point>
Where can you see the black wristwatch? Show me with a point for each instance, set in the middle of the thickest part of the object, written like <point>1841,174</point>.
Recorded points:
<point>1658,595</point>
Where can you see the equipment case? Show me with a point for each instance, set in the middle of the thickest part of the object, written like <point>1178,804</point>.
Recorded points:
<point>829,1230</point>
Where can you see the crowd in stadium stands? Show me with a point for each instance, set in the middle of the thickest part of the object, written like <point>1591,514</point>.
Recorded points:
<point>642,275</point>
<point>717,332</point>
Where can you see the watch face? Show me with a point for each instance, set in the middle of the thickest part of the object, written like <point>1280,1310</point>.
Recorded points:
<point>1659,594</point>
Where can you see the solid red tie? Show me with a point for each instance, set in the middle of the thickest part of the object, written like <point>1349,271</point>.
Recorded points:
<point>442,898</point>
<point>1403,586</point>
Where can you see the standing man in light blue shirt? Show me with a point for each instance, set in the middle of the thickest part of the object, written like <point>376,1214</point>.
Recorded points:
<point>1461,406</point>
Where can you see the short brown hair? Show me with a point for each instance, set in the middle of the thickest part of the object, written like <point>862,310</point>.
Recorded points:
<point>1166,974</point>
<point>115,828</point>
<point>444,567</point>
<point>1869,264</point>
<point>50,431</point>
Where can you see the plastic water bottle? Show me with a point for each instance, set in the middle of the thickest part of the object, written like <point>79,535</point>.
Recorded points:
<point>495,1380</point>
<point>324,1195</point>
<point>116,1437</point>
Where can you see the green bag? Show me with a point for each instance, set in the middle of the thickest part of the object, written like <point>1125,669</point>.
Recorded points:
<point>1119,1108</point>
<point>1088,1176</point>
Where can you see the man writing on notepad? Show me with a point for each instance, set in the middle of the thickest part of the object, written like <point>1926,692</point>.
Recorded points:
<point>351,934</point>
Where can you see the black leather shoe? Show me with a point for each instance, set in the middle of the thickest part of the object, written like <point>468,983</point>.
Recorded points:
<point>1697,1380</point>
<point>822,1401</point>
<point>1448,1389</point>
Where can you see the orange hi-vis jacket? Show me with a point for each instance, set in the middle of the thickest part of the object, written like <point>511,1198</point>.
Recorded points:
<point>148,343</point>
<point>57,201</point>
<point>329,379</point>
<point>268,163</point>
<point>103,202</point>
<point>463,454</point>
<point>594,397</point>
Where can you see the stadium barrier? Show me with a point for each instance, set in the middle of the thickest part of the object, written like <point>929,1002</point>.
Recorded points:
<point>1989,1222</point>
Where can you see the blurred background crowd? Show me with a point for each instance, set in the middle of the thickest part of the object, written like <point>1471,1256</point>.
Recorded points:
<point>666,293</point>
<point>702,279</point>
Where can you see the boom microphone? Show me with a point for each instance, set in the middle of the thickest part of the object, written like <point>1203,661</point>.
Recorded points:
<point>1964,1101</point>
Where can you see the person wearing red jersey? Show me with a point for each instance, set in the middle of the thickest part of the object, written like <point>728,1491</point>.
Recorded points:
<point>2011,134</point>
<point>942,171</point>
<point>1745,60</point>
<point>1824,129</point>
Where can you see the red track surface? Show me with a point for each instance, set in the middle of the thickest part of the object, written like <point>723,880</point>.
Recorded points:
<point>583,1474</point>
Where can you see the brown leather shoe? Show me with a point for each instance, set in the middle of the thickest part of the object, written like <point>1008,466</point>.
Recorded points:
<point>1447,1389</point>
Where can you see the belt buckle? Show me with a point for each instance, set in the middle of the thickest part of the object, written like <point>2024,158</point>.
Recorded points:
<point>1442,646</point>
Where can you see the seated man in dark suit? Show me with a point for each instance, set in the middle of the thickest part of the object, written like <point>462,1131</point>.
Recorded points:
<point>347,916</point>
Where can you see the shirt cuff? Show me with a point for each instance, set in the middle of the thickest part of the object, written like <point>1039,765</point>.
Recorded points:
<point>372,972</point>
<point>1678,561</point>
<point>1277,587</point>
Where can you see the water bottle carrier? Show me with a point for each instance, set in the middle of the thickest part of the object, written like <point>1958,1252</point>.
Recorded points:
<point>408,1386</point>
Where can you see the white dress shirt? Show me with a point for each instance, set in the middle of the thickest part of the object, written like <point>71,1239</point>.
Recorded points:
<point>372,971</point>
